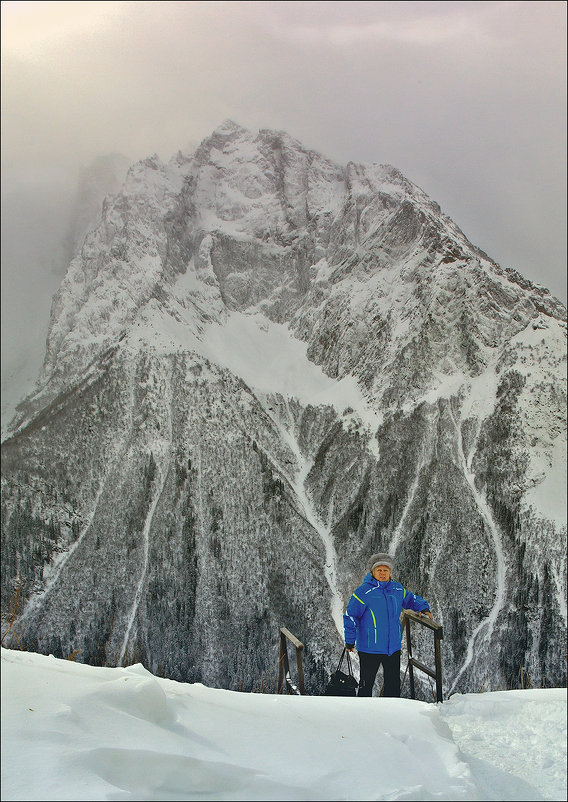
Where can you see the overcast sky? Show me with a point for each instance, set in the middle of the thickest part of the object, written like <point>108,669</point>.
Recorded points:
<point>468,99</point>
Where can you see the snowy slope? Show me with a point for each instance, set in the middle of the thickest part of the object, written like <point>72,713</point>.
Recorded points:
<point>73,732</point>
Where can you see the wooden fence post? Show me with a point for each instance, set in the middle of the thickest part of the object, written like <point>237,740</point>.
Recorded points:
<point>438,631</point>
<point>284,677</point>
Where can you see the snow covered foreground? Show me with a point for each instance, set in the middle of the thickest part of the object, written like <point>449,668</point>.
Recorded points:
<point>76,732</point>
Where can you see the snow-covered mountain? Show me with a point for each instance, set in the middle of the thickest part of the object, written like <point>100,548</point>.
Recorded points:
<point>261,367</point>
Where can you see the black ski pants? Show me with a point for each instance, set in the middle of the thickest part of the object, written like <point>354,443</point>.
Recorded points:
<point>370,663</point>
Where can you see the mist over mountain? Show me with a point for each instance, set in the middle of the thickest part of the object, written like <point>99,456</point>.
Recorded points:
<point>261,367</point>
<point>104,176</point>
<point>42,232</point>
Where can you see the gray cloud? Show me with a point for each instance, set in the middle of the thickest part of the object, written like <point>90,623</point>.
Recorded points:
<point>467,99</point>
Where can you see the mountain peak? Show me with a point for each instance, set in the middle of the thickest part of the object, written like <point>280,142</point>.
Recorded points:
<point>308,224</point>
<point>229,127</point>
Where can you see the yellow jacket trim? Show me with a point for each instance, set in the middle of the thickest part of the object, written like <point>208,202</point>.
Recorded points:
<point>374,624</point>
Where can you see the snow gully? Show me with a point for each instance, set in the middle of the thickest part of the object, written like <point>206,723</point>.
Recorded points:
<point>487,625</point>
<point>164,446</point>
<point>298,483</point>
<point>146,536</point>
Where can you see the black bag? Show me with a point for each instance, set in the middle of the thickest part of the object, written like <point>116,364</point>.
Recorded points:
<point>340,683</point>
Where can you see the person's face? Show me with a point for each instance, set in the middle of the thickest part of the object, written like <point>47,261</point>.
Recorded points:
<point>382,573</point>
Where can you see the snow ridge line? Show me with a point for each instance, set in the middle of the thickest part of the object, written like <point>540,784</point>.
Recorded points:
<point>330,573</point>
<point>488,624</point>
<point>560,595</point>
<point>146,537</point>
<point>393,545</point>
<point>36,599</point>
<point>164,470</point>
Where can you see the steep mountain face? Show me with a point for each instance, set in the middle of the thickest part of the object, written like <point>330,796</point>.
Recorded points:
<point>262,367</point>
<point>104,176</point>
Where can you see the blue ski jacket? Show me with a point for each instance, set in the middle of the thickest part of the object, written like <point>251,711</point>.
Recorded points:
<point>372,619</point>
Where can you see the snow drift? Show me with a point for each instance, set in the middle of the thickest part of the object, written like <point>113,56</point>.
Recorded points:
<point>76,732</point>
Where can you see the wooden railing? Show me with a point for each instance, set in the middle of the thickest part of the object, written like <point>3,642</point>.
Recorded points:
<point>436,674</point>
<point>284,677</point>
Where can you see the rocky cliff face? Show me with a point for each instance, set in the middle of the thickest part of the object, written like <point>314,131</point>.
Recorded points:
<point>261,367</point>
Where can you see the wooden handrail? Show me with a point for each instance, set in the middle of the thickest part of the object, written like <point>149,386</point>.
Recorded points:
<point>438,631</point>
<point>284,665</point>
<point>298,644</point>
<point>424,620</point>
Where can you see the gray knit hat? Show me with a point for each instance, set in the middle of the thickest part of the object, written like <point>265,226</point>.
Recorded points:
<point>381,559</point>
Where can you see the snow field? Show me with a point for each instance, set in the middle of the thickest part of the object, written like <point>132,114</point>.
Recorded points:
<point>77,732</point>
